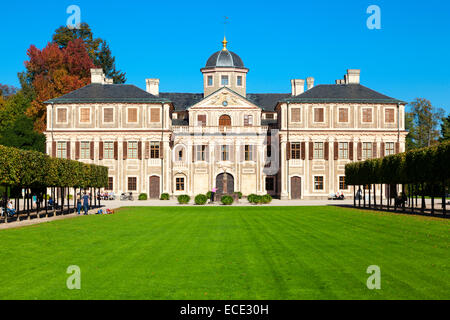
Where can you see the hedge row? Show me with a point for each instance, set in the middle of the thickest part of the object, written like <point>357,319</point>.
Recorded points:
<point>35,169</point>
<point>426,165</point>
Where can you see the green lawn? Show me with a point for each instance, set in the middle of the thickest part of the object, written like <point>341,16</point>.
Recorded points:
<point>229,253</point>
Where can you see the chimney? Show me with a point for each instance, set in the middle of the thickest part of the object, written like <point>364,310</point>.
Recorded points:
<point>109,81</point>
<point>97,76</point>
<point>352,76</point>
<point>152,86</point>
<point>309,83</point>
<point>298,86</point>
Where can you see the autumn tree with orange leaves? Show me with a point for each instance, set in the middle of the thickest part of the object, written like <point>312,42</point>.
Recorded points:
<point>54,72</point>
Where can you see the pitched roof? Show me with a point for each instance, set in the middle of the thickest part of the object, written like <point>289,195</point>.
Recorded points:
<point>96,93</point>
<point>342,93</point>
<point>182,101</point>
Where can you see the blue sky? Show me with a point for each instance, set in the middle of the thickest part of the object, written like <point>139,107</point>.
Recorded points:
<point>277,40</point>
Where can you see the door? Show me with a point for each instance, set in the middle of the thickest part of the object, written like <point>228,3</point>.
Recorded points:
<point>154,187</point>
<point>225,183</point>
<point>296,188</point>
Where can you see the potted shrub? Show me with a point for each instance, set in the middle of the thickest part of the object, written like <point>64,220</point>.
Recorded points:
<point>267,198</point>
<point>227,200</point>
<point>143,196</point>
<point>184,199</point>
<point>165,196</point>
<point>200,199</point>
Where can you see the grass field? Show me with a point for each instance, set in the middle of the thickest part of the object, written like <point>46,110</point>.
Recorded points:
<point>229,253</point>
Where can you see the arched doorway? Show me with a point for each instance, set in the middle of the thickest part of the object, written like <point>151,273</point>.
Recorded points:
<point>225,183</point>
<point>224,122</point>
<point>154,187</point>
<point>296,188</point>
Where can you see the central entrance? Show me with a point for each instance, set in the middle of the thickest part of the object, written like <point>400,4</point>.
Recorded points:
<point>225,183</point>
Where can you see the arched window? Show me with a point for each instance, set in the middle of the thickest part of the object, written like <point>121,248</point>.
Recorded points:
<point>224,121</point>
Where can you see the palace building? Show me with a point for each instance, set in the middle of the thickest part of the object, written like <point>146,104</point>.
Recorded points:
<point>291,145</point>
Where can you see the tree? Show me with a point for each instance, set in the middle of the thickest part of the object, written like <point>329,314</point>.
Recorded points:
<point>445,129</point>
<point>425,121</point>
<point>20,134</point>
<point>54,72</point>
<point>97,48</point>
<point>409,126</point>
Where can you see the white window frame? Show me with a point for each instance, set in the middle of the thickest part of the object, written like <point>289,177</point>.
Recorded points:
<point>137,183</point>
<point>348,114</point>
<point>129,148</point>
<point>150,115</point>
<point>339,183</point>
<point>370,150</point>
<point>237,81</point>
<point>67,115</point>
<point>318,150</point>
<point>314,183</point>
<point>344,154</point>
<point>386,148</point>
<point>395,116</point>
<point>59,154</point>
<point>105,152</point>
<point>300,112</point>
<point>85,155</point>
<point>90,115</point>
<point>314,115</point>
<point>137,115</point>
<point>228,80</point>
<point>362,115</point>
<point>103,115</point>
<point>207,80</point>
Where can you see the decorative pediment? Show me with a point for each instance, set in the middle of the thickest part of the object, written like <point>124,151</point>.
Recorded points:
<point>224,98</point>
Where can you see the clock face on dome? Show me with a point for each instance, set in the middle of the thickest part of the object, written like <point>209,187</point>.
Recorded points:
<point>225,103</point>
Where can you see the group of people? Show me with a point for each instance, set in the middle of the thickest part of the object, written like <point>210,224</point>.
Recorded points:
<point>338,196</point>
<point>9,208</point>
<point>83,203</point>
<point>106,196</point>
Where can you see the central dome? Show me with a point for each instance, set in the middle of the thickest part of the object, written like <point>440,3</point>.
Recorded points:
<point>224,58</point>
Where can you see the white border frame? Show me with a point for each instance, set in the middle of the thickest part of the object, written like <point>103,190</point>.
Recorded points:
<point>372,117</point>
<point>384,112</point>
<point>56,115</point>
<point>137,115</point>
<point>314,115</point>
<point>348,114</point>
<point>90,115</point>
<point>103,115</point>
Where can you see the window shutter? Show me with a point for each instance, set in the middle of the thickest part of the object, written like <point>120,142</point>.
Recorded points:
<point>382,150</point>
<point>116,151</point>
<point>327,150</point>
<point>54,149</point>
<point>147,150</point>
<point>140,150</point>
<point>125,150</point>
<point>77,150</point>
<point>311,150</point>
<point>336,150</point>
<point>193,154</point>
<point>397,147</point>
<point>374,150</point>
<point>161,149</point>
<point>359,151</point>
<point>68,149</point>
<point>303,151</point>
<point>350,150</point>
<point>92,150</point>
<point>288,151</point>
<point>100,150</point>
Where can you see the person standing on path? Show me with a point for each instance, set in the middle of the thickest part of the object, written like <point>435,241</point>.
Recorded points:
<point>213,192</point>
<point>85,203</point>
<point>78,205</point>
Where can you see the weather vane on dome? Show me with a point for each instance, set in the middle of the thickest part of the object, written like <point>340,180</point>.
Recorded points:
<point>224,42</point>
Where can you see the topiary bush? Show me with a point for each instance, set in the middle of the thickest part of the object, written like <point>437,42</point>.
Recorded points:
<point>208,194</point>
<point>184,199</point>
<point>200,199</point>
<point>255,199</point>
<point>239,194</point>
<point>267,198</point>
<point>165,196</point>
<point>143,196</point>
<point>227,200</point>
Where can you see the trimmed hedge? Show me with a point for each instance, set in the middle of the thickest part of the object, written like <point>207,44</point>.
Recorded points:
<point>425,165</point>
<point>227,200</point>
<point>200,199</point>
<point>239,194</point>
<point>253,198</point>
<point>143,196</point>
<point>35,169</point>
<point>184,199</point>
<point>164,196</point>
<point>267,198</point>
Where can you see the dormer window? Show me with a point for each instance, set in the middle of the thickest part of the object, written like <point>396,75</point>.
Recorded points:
<point>210,81</point>
<point>224,80</point>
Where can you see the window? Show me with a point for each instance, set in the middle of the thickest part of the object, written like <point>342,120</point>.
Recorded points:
<point>389,115</point>
<point>342,185</point>
<point>343,114</point>
<point>225,153</point>
<point>295,114</point>
<point>110,183</point>
<point>61,115</point>
<point>201,153</point>
<point>248,153</point>
<point>367,115</point>
<point>155,115</point>
<point>210,81</point>
<point>295,150</point>
<point>132,183</point>
<point>132,150</point>
<point>318,183</point>
<point>269,151</point>
<point>180,155</point>
<point>248,120</point>
<point>85,115</point>
<point>132,114</point>
<point>269,116</point>
<point>224,121</point>
<point>318,115</point>
<point>108,150</point>
<point>85,148</point>
<point>367,150</point>
<point>108,115</point>
<point>154,150</point>
<point>239,81</point>
<point>318,150</point>
<point>179,184</point>
<point>343,150</point>
<point>389,148</point>
<point>224,80</point>
<point>61,149</point>
<point>201,120</point>
<point>270,184</point>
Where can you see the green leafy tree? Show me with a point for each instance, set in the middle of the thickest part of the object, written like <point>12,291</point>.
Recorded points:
<point>20,134</point>
<point>409,126</point>
<point>98,49</point>
<point>425,122</point>
<point>445,129</point>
